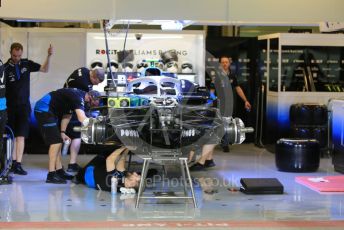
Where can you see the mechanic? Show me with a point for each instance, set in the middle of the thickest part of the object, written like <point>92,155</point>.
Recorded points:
<point>17,74</point>
<point>205,160</point>
<point>83,79</point>
<point>99,171</point>
<point>56,108</point>
<point>225,64</point>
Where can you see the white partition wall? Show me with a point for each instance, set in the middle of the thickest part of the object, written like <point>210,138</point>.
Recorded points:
<point>9,35</point>
<point>69,54</point>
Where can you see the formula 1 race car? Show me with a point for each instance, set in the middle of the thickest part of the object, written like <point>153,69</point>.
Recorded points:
<point>159,115</point>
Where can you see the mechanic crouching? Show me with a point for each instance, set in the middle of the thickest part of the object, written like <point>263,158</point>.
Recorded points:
<point>53,113</point>
<point>99,171</point>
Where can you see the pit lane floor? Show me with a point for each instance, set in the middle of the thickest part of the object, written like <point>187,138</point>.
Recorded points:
<point>31,203</point>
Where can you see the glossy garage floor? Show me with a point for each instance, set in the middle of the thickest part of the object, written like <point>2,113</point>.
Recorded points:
<point>31,203</point>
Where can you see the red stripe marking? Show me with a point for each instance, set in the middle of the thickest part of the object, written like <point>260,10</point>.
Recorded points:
<point>174,224</point>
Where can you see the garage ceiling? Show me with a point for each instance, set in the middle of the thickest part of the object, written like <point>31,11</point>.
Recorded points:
<point>196,12</point>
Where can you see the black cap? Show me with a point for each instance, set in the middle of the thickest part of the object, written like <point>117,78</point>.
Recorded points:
<point>94,94</point>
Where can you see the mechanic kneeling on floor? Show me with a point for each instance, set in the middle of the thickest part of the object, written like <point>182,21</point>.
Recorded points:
<point>56,108</point>
<point>99,171</point>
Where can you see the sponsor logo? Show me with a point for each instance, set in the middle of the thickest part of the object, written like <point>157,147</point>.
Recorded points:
<point>102,52</point>
<point>140,52</point>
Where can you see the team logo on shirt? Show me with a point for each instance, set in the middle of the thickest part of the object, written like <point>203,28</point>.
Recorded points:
<point>2,78</point>
<point>2,85</point>
<point>11,77</point>
<point>23,70</point>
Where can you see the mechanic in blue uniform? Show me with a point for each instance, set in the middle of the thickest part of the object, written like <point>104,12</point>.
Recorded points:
<point>3,121</point>
<point>53,113</point>
<point>98,172</point>
<point>17,74</point>
<point>83,79</point>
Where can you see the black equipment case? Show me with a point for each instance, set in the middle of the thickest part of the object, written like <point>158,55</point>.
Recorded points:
<point>261,186</point>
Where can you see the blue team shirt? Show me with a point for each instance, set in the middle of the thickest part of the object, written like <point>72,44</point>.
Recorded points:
<point>79,79</point>
<point>62,101</point>
<point>18,81</point>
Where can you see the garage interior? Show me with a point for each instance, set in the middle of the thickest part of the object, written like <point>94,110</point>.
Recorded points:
<point>289,60</point>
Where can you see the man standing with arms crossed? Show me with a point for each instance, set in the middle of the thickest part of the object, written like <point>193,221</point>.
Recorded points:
<point>17,74</point>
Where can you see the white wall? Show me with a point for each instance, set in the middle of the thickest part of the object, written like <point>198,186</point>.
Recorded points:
<point>69,54</point>
<point>8,36</point>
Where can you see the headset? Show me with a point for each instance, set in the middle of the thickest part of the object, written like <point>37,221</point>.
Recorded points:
<point>113,65</point>
<point>96,64</point>
<point>186,67</point>
<point>172,67</point>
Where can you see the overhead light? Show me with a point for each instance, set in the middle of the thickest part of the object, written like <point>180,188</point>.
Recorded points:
<point>131,21</point>
<point>145,37</point>
<point>331,26</point>
<point>172,25</point>
<point>109,23</point>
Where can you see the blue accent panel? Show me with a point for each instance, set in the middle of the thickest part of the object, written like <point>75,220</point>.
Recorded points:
<point>3,103</point>
<point>271,121</point>
<point>43,104</point>
<point>277,120</point>
<point>17,71</point>
<point>283,116</point>
<point>89,177</point>
<point>338,127</point>
<point>50,124</point>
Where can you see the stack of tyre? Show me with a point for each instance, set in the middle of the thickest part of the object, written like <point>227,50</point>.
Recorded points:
<point>309,121</point>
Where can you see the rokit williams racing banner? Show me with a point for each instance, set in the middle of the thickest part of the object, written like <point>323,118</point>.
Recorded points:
<point>189,47</point>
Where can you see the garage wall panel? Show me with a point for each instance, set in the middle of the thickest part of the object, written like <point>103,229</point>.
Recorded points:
<point>69,54</point>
